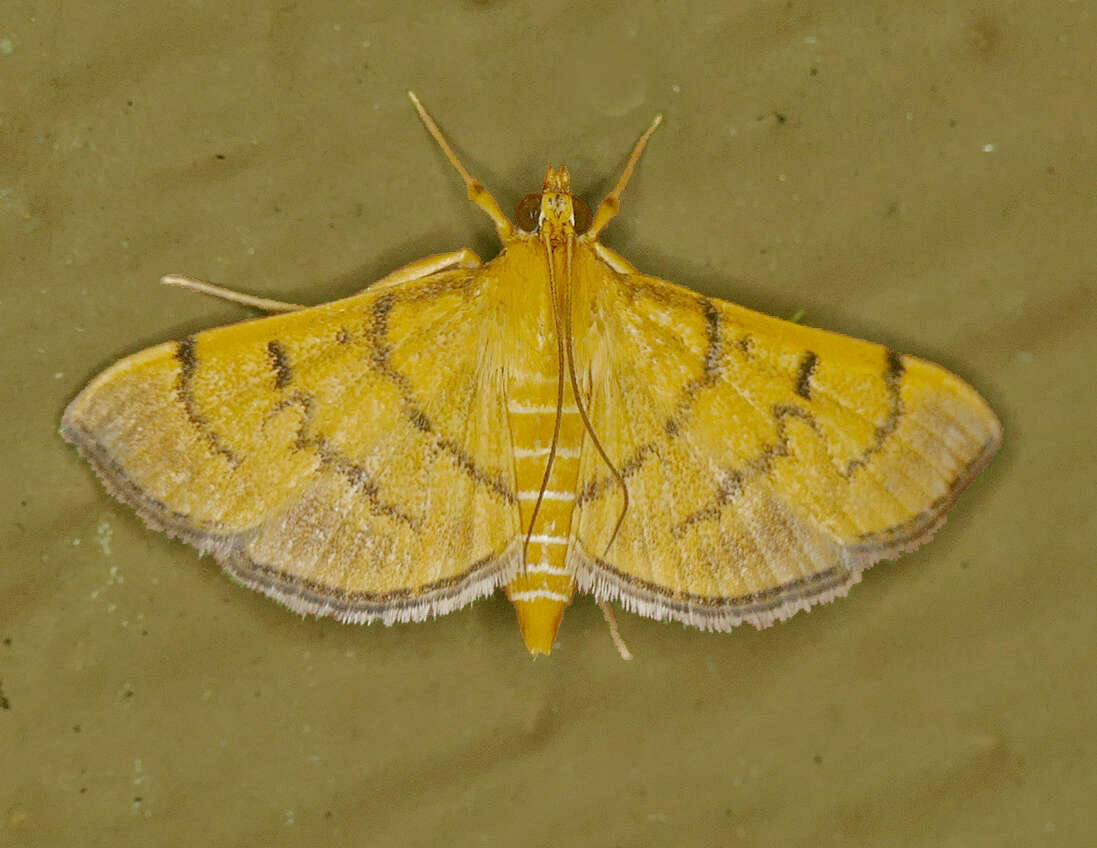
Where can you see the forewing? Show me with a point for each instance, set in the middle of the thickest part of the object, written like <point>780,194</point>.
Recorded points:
<point>767,463</point>
<point>349,459</point>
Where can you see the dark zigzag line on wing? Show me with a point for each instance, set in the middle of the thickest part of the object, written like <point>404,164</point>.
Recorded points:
<point>330,457</point>
<point>659,291</point>
<point>684,407</point>
<point>375,328</point>
<point>759,465</point>
<point>688,397</point>
<point>186,355</point>
<point>762,463</point>
<point>279,363</point>
<point>807,370</point>
<point>892,380</point>
<point>377,332</point>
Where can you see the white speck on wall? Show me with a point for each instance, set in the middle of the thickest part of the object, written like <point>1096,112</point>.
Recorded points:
<point>103,535</point>
<point>988,148</point>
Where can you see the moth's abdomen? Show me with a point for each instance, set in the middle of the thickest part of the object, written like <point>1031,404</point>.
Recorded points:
<point>544,587</point>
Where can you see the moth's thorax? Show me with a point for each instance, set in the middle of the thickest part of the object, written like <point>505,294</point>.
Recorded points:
<point>525,298</point>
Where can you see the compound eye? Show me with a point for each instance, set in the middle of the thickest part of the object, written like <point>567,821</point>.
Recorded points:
<point>582,215</point>
<point>528,216</point>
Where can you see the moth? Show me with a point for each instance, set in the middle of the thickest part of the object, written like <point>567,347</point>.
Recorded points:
<point>553,421</point>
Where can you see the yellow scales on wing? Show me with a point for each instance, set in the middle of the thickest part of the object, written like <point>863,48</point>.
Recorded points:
<point>549,421</point>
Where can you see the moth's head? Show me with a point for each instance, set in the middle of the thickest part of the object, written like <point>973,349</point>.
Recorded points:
<point>555,210</point>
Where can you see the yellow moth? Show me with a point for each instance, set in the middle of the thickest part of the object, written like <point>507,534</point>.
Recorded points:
<point>551,421</point>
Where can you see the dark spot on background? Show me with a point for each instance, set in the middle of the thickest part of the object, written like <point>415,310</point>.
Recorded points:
<point>983,37</point>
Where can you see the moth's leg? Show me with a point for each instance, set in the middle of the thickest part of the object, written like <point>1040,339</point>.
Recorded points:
<point>265,304</point>
<point>614,259</point>
<point>611,622</point>
<point>463,258</point>
<point>477,193</point>
<point>607,209</point>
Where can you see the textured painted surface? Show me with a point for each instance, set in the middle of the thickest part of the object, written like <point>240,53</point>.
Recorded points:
<point>817,157</point>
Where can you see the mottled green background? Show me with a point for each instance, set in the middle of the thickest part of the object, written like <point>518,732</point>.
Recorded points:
<point>922,174</point>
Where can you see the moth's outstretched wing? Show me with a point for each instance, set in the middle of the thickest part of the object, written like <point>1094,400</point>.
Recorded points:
<point>352,459</point>
<point>767,463</point>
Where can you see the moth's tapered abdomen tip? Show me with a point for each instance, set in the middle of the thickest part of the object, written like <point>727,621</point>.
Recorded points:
<point>539,622</point>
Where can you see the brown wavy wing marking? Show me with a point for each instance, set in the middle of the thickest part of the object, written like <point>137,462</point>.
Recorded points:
<point>377,331</point>
<point>731,485</point>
